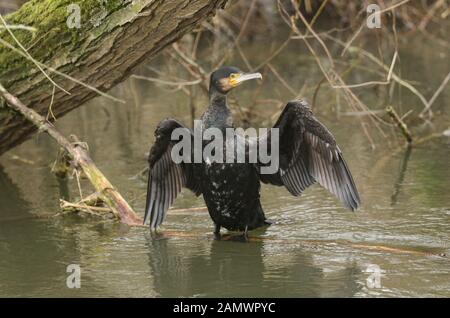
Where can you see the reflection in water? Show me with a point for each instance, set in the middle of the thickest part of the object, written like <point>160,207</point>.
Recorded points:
<point>220,268</point>
<point>401,175</point>
<point>63,186</point>
<point>344,283</point>
<point>13,206</point>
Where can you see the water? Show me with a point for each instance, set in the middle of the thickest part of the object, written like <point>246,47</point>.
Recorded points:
<point>316,247</point>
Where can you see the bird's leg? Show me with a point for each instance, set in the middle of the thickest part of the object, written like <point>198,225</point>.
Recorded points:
<point>246,233</point>
<point>217,232</point>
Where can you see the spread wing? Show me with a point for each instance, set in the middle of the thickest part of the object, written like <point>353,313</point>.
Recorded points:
<point>308,153</point>
<point>166,178</point>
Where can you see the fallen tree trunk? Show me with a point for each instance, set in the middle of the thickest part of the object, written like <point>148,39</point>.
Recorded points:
<point>114,37</point>
<point>80,159</point>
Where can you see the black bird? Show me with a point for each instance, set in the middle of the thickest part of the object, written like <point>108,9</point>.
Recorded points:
<point>308,153</point>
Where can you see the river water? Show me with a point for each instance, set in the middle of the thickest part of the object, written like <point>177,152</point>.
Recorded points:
<point>397,244</point>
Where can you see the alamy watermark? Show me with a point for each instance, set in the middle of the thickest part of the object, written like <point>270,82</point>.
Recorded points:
<point>74,14</point>
<point>374,16</point>
<point>74,18</point>
<point>235,146</point>
<point>374,279</point>
<point>74,279</point>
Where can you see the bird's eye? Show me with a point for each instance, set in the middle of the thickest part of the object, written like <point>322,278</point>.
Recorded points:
<point>233,75</point>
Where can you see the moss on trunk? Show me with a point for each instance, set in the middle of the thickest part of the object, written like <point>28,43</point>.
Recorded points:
<point>114,37</point>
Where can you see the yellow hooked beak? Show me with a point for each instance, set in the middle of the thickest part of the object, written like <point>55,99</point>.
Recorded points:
<point>238,78</point>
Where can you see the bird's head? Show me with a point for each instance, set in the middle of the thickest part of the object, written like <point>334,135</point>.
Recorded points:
<point>226,78</point>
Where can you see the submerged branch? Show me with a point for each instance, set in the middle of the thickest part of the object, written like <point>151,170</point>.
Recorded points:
<point>400,123</point>
<point>381,248</point>
<point>80,159</point>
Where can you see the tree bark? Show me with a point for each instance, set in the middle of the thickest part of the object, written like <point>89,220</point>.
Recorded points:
<point>114,37</point>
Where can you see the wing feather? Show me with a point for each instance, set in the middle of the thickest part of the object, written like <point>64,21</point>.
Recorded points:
<point>166,178</point>
<point>309,153</point>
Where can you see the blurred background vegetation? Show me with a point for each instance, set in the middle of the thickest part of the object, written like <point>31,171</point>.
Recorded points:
<point>322,51</point>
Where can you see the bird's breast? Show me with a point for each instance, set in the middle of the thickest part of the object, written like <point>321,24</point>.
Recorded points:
<point>229,188</point>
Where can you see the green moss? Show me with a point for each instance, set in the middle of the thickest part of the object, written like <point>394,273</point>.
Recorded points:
<point>49,18</point>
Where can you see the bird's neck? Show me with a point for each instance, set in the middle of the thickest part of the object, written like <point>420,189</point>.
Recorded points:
<point>217,115</point>
<point>217,99</point>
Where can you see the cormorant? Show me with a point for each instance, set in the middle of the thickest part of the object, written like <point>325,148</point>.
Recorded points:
<point>308,153</point>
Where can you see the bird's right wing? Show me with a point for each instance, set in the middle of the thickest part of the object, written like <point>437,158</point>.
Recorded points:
<point>308,153</point>
<point>166,178</point>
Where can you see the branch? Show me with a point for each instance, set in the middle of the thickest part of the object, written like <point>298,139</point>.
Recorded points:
<point>435,95</point>
<point>86,60</point>
<point>81,159</point>
<point>400,123</point>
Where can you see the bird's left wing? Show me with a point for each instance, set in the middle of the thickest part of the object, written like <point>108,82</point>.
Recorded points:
<point>308,153</point>
<point>166,178</point>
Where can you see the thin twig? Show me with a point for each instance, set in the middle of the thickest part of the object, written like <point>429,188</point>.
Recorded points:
<point>19,27</point>
<point>435,95</point>
<point>164,82</point>
<point>241,32</point>
<point>386,82</point>
<point>50,111</point>
<point>51,69</point>
<point>30,57</point>
<point>394,6</point>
